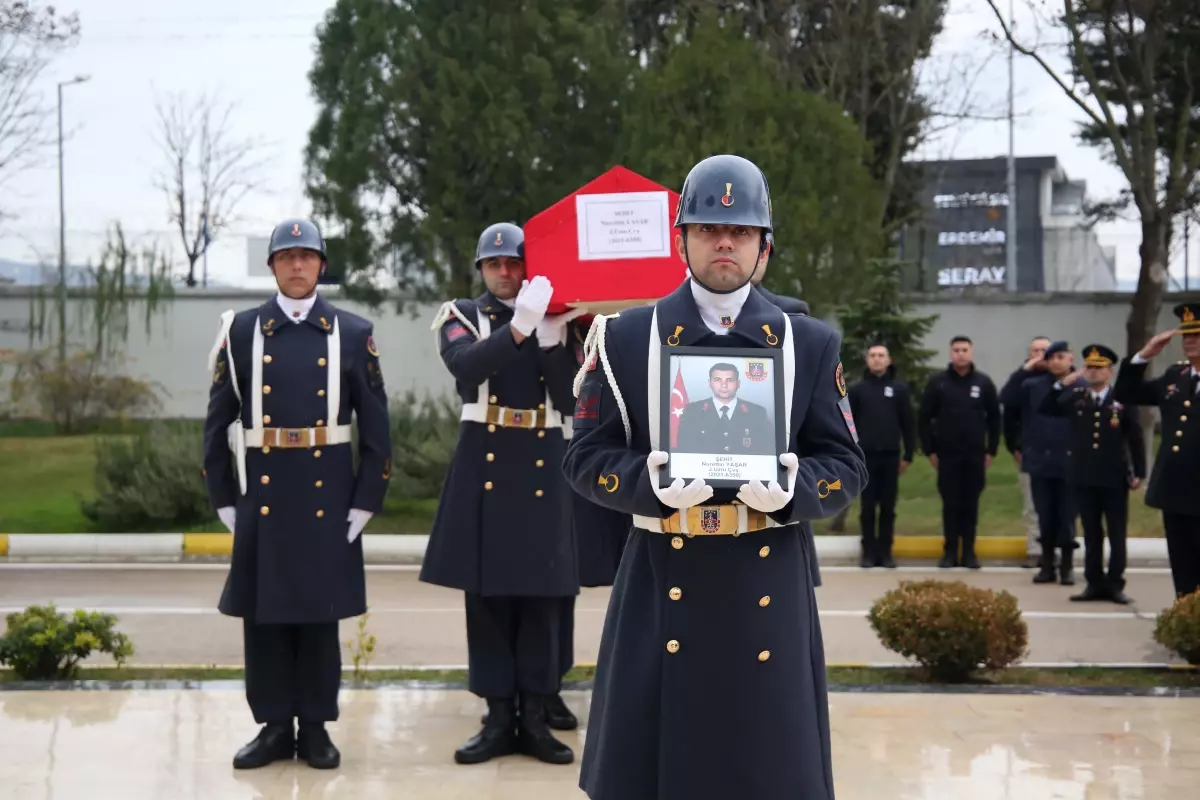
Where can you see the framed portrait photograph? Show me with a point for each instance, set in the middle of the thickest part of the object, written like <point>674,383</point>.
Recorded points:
<point>721,414</point>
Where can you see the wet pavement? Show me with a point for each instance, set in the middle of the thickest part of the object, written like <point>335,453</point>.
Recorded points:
<point>170,613</point>
<point>398,743</point>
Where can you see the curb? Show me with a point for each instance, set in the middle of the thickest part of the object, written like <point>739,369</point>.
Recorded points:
<point>410,548</point>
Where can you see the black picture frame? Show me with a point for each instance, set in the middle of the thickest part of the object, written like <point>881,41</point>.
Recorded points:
<point>772,357</point>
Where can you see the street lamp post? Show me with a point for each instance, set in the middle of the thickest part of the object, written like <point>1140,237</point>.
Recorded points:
<point>62,229</point>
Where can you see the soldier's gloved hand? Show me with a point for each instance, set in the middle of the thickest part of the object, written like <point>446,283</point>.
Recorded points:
<point>771,497</point>
<point>227,514</point>
<point>550,329</point>
<point>677,495</point>
<point>531,304</point>
<point>358,520</point>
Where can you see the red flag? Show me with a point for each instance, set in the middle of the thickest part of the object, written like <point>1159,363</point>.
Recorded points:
<point>679,401</point>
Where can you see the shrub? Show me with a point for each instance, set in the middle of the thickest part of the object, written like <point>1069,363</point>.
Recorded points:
<point>424,433</point>
<point>1178,628</point>
<point>951,628</point>
<point>151,480</point>
<point>78,393</point>
<point>42,644</point>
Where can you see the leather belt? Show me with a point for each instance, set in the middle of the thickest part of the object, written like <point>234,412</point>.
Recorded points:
<point>515,417</point>
<point>717,521</point>
<point>285,438</point>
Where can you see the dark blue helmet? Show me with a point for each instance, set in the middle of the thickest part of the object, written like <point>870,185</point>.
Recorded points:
<point>296,233</point>
<point>501,239</point>
<point>725,190</point>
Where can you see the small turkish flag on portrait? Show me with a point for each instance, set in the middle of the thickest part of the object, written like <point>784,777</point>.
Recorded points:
<point>679,401</point>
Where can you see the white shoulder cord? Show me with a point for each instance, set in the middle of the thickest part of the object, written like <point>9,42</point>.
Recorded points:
<point>223,339</point>
<point>593,345</point>
<point>447,310</point>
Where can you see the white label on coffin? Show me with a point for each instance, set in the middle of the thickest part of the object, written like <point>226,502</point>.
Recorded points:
<point>623,225</point>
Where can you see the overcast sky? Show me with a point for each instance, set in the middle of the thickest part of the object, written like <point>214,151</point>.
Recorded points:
<point>258,54</point>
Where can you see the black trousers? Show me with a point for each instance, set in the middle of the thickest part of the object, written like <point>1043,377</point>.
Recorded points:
<point>1103,507</point>
<point>566,637</point>
<point>1055,504</point>
<point>1183,548</point>
<point>292,672</point>
<point>960,481</point>
<point>514,645</point>
<point>883,484</point>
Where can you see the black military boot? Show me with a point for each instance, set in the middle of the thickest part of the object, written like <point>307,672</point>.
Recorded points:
<point>558,716</point>
<point>314,746</point>
<point>1090,593</point>
<point>1046,573</point>
<point>969,560</point>
<point>275,742</point>
<point>1066,567</point>
<point>533,734</point>
<point>498,737</point>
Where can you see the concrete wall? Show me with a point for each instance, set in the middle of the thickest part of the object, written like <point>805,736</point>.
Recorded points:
<point>174,355</point>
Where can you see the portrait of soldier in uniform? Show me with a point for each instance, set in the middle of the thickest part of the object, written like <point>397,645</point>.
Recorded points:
<point>725,422</point>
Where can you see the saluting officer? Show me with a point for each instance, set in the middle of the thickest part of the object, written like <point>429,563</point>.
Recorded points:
<point>1177,467</point>
<point>502,533</point>
<point>287,376</point>
<point>1107,458</point>
<point>711,677</point>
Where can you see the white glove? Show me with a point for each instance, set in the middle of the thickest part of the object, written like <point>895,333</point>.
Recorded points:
<point>358,520</point>
<point>550,329</point>
<point>771,497</point>
<point>227,514</point>
<point>676,495</point>
<point>531,304</point>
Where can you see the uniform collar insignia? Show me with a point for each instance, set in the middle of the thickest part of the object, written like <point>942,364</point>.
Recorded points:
<point>322,315</point>
<point>758,321</point>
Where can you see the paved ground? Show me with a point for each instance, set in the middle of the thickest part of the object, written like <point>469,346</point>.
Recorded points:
<point>169,612</point>
<point>149,745</point>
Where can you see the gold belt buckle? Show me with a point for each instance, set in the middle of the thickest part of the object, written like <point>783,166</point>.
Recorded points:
<point>512,417</point>
<point>715,521</point>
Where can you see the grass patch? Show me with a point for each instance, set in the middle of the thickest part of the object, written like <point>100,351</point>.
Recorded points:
<point>1095,677</point>
<point>44,477</point>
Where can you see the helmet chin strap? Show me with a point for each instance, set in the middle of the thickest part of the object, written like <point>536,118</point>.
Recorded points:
<point>762,248</point>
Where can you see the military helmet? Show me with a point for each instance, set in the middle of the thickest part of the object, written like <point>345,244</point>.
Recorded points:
<point>725,190</point>
<point>295,233</point>
<point>501,239</point>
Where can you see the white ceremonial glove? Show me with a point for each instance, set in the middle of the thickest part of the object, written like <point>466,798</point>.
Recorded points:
<point>227,514</point>
<point>676,495</point>
<point>531,304</point>
<point>550,329</point>
<point>358,520</point>
<point>771,497</point>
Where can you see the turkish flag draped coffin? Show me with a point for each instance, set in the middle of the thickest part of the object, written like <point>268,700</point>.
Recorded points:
<point>608,245</point>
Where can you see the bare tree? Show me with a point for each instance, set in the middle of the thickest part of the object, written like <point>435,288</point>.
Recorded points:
<point>29,39</point>
<point>206,172</point>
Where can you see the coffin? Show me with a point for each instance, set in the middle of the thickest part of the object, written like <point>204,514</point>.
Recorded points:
<point>608,245</point>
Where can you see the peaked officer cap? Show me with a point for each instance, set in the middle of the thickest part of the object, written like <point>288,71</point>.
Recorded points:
<point>1189,317</point>
<point>1097,355</point>
<point>725,190</point>
<point>296,233</point>
<point>501,239</point>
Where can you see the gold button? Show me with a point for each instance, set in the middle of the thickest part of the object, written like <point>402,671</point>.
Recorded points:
<point>266,419</point>
<point>491,428</point>
<point>541,406</point>
<point>491,456</point>
<point>1097,415</point>
<point>764,655</point>
<point>764,552</point>
<point>1175,449</point>
<point>488,486</point>
<point>677,542</point>
<point>1183,418</point>
<point>266,448</point>
<point>492,316</point>
<point>675,593</point>
<point>266,390</point>
<point>1097,424</point>
<point>320,423</point>
<point>539,493</point>
<point>264,510</point>
<point>316,453</point>
<point>764,601</point>
<point>1095,435</point>
<point>492,399</point>
<point>320,513</point>
<point>320,392</point>
<point>1187,403</point>
<point>320,362</point>
<point>264,480</point>
<point>673,646</point>
<point>541,434</point>
<point>266,359</point>
<point>1178,434</point>
<point>1095,447</point>
<point>319,484</point>
<point>541,463</point>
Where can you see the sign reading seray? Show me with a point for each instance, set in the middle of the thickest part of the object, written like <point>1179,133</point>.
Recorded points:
<point>624,225</point>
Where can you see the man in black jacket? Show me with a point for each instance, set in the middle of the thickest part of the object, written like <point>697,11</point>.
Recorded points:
<point>959,423</point>
<point>1107,458</point>
<point>882,407</point>
<point>1012,441</point>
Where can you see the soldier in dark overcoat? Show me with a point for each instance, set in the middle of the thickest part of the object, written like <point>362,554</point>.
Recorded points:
<point>1106,458</point>
<point>1176,475</point>
<point>502,533</point>
<point>279,469</point>
<point>711,676</point>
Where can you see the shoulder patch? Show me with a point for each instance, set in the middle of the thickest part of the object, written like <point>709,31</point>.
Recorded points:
<point>587,407</point>
<point>455,330</point>
<point>848,417</point>
<point>841,381</point>
<point>371,348</point>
